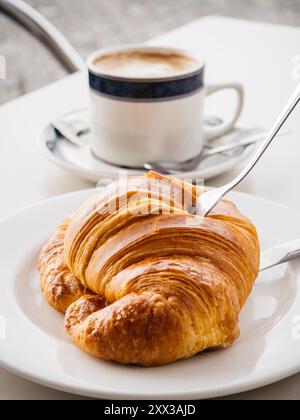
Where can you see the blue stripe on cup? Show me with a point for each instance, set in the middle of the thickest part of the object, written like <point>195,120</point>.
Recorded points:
<point>146,90</point>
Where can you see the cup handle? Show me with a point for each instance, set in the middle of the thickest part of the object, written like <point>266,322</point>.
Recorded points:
<point>225,127</point>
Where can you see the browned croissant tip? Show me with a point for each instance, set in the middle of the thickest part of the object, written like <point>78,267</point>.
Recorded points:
<point>82,309</point>
<point>150,288</point>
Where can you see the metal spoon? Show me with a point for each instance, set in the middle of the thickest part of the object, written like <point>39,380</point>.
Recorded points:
<point>170,168</point>
<point>207,201</point>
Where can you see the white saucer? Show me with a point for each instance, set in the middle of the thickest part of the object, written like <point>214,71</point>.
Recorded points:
<point>79,159</point>
<point>35,345</point>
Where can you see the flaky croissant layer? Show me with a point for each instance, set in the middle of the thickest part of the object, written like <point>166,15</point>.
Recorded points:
<point>144,282</point>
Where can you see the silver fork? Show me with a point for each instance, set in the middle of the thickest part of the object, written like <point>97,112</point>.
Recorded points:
<point>207,201</point>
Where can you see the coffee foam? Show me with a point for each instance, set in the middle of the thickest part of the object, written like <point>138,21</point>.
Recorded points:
<point>145,65</point>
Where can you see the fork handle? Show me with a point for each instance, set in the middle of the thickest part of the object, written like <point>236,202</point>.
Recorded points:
<point>284,115</point>
<point>206,202</point>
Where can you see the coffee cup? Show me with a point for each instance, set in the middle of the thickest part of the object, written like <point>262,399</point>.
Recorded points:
<point>147,104</point>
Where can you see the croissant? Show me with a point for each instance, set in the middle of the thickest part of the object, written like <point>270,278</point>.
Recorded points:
<point>141,281</point>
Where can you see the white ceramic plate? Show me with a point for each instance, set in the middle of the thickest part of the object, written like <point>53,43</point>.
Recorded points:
<point>79,159</point>
<point>35,345</point>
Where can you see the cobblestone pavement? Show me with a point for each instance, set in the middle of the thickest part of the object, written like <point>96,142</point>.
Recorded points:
<point>92,24</point>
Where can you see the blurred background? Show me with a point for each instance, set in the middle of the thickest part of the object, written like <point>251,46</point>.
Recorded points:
<point>93,24</point>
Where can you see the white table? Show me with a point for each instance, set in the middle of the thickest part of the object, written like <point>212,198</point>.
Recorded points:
<point>258,55</point>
